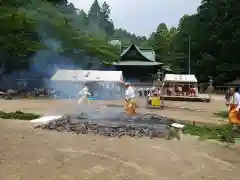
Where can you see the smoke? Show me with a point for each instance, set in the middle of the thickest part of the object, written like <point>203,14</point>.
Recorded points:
<point>58,54</point>
<point>55,54</point>
<point>91,109</point>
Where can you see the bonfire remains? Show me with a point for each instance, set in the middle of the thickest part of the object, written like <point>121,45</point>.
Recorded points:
<point>149,125</point>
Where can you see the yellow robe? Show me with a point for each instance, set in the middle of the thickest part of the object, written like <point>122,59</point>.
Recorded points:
<point>130,106</point>
<point>130,102</point>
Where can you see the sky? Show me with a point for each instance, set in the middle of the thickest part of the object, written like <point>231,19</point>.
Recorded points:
<point>143,16</point>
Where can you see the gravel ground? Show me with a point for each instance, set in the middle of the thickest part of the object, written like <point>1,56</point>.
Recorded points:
<point>27,154</point>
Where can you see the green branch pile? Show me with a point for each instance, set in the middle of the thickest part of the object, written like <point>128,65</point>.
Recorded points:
<point>18,115</point>
<point>222,114</point>
<point>222,133</point>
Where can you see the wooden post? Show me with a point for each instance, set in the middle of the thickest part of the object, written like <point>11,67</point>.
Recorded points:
<point>210,89</point>
<point>210,96</point>
<point>159,85</point>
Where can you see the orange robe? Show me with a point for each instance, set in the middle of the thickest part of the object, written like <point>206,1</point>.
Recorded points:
<point>130,107</point>
<point>234,115</point>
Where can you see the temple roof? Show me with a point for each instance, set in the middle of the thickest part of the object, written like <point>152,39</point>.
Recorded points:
<point>147,53</point>
<point>235,82</point>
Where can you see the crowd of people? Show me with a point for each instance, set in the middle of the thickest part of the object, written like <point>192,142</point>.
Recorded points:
<point>232,98</point>
<point>181,90</point>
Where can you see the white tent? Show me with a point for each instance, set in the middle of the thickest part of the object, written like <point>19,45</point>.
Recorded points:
<point>181,78</point>
<point>87,75</point>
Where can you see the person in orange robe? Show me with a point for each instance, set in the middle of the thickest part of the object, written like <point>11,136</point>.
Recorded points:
<point>130,102</point>
<point>234,107</point>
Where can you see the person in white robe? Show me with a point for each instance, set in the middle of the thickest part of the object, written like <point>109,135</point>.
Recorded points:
<point>129,93</point>
<point>83,95</point>
<point>130,99</point>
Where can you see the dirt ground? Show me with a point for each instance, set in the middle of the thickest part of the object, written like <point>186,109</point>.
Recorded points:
<point>200,112</point>
<point>30,154</point>
<point>27,154</point>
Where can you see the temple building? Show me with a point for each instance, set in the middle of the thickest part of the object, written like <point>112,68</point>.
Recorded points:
<point>138,64</point>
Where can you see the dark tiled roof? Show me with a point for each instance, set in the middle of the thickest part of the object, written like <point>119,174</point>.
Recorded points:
<point>147,53</point>
<point>138,63</point>
<point>235,82</point>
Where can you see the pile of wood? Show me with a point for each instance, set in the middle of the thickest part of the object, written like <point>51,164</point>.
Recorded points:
<point>145,125</point>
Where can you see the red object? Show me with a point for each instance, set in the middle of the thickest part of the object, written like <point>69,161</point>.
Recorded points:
<point>193,91</point>
<point>169,91</point>
<point>178,90</point>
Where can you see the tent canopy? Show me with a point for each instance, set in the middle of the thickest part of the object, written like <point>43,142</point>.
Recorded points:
<point>87,76</point>
<point>180,78</point>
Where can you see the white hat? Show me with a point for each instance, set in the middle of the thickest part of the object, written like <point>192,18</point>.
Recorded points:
<point>126,83</point>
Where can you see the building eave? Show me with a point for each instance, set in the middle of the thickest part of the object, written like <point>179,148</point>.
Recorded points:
<point>137,63</point>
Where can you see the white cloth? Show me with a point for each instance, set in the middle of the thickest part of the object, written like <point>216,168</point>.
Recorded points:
<point>129,93</point>
<point>235,99</point>
<point>84,93</point>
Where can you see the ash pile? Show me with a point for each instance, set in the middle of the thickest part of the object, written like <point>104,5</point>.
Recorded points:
<point>148,125</point>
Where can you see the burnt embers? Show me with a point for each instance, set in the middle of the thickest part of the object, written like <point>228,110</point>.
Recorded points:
<point>152,126</point>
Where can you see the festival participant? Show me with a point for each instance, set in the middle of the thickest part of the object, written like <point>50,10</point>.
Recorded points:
<point>179,90</point>
<point>130,99</point>
<point>152,92</point>
<point>169,91</point>
<point>193,91</point>
<point>234,106</point>
<point>84,94</point>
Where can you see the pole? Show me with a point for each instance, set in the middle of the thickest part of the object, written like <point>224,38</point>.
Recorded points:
<point>189,55</point>
<point>162,88</point>
<point>210,88</point>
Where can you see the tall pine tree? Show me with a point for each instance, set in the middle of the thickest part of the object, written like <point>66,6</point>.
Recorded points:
<point>95,12</point>
<point>106,22</point>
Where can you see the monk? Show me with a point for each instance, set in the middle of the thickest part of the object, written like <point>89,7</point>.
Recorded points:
<point>130,99</point>
<point>84,94</point>
<point>234,107</point>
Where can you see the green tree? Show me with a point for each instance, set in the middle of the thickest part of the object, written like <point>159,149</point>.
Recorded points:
<point>129,38</point>
<point>220,23</point>
<point>160,42</point>
<point>105,11</point>
<point>215,35</point>
<point>24,27</point>
<point>95,12</point>
<point>19,39</point>
<point>106,22</point>
<point>179,44</point>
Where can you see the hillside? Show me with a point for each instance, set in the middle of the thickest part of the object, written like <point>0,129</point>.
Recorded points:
<point>42,30</point>
<point>49,27</point>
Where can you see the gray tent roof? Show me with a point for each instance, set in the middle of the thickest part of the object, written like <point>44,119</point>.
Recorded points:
<point>87,75</point>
